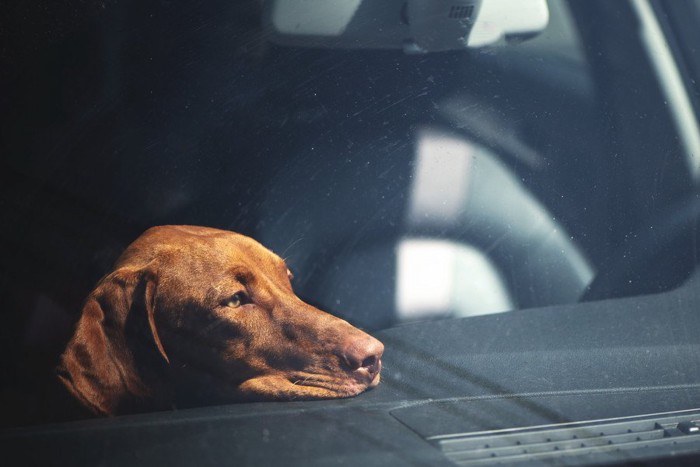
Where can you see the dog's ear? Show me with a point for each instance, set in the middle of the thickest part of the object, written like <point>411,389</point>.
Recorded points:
<point>98,365</point>
<point>150,305</point>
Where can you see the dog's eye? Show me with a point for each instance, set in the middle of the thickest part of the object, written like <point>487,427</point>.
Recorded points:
<point>236,300</point>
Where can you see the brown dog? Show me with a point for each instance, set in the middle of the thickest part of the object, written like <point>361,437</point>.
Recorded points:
<point>195,315</point>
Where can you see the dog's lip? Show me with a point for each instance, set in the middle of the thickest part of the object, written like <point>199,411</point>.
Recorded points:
<point>346,388</point>
<point>350,384</point>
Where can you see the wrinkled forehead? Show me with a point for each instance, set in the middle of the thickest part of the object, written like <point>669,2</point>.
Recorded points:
<point>202,252</point>
<point>225,252</point>
<point>240,251</point>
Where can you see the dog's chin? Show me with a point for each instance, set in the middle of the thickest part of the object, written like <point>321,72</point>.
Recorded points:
<point>349,388</point>
<point>305,387</point>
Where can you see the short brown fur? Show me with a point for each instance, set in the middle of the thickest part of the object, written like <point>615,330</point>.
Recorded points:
<point>194,315</point>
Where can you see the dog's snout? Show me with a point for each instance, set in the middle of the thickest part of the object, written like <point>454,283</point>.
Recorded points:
<point>363,353</point>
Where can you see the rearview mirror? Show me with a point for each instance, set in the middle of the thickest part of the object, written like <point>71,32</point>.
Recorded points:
<point>416,26</point>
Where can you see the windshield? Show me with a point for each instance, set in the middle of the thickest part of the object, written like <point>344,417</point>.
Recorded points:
<point>399,185</point>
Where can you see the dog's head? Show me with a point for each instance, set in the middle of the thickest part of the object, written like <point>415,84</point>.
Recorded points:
<point>205,315</point>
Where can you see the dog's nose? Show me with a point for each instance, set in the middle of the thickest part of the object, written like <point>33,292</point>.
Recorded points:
<point>364,353</point>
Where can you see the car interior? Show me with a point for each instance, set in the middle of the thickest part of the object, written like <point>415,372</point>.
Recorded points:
<point>519,204</point>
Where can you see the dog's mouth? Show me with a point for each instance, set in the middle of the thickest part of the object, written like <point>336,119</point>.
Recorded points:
<point>354,372</point>
<point>349,384</point>
<point>311,385</point>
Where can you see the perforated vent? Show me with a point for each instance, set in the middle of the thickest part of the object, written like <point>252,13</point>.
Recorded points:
<point>576,444</point>
<point>461,11</point>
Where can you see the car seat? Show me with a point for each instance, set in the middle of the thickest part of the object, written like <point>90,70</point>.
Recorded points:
<point>427,226</point>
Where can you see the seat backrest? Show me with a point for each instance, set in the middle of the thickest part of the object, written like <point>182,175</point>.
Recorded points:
<point>434,226</point>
